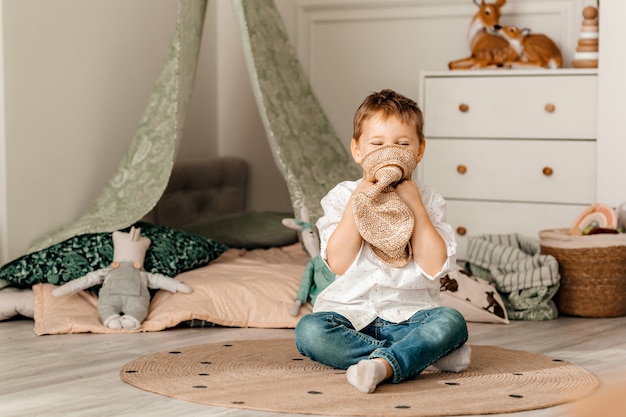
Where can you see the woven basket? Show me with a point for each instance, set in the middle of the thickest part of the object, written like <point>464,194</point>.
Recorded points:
<point>593,272</point>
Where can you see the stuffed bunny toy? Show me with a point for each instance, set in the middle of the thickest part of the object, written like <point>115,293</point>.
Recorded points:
<point>124,299</point>
<point>317,275</point>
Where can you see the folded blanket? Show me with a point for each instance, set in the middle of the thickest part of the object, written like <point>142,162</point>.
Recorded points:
<point>384,220</point>
<point>526,279</point>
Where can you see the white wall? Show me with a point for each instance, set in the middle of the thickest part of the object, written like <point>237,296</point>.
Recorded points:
<point>77,76</point>
<point>3,172</point>
<point>611,152</point>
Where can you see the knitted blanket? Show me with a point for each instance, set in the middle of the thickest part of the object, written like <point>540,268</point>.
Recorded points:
<point>526,280</point>
<point>384,220</point>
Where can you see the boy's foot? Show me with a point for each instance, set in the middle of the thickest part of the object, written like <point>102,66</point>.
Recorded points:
<point>457,361</point>
<point>366,374</point>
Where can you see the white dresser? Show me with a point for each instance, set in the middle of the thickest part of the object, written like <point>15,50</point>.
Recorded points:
<point>511,151</point>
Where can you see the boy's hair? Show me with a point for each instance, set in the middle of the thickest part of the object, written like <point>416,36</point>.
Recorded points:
<point>388,103</point>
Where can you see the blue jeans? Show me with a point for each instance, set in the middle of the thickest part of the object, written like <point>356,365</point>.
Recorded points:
<point>409,347</point>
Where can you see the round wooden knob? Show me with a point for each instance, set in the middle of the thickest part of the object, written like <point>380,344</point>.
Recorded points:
<point>461,169</point>
<point>464,108</point>
<point>461,231</point>
<point>550,108</point>
<point>547,171</point>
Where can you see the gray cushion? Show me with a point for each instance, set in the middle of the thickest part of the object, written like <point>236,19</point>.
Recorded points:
<point>202,189</point>
<point>248,230</point>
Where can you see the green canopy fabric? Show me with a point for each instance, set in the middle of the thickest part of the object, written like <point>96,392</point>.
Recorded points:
<point>145,170</point>
<point>305,146</point>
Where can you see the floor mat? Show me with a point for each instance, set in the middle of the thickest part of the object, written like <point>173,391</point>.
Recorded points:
<point>270,375</point>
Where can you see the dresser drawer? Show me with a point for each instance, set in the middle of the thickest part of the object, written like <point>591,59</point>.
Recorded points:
<point>511,106</point>
<point>512,170</point>
<point>475,218</point>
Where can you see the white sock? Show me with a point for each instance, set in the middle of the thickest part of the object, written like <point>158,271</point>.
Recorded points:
<point>366,374</point>
<point>456,361</point>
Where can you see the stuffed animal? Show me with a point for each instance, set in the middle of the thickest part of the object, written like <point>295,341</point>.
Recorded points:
<point>488,50</point>
<point>124,298</point>
<point>531,50</point>
<point>317,275</point>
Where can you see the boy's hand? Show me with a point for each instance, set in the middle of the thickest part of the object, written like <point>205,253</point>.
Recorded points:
<point>408,191</point>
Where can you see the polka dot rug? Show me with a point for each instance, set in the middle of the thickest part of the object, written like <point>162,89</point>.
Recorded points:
<point>270,375</point>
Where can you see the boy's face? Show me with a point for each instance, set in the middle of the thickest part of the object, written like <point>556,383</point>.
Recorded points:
<point>378,132</point>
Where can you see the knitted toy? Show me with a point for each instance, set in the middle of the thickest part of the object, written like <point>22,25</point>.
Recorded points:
<point>124,299</point>
<point>383,219</point>
<point>316,275</point>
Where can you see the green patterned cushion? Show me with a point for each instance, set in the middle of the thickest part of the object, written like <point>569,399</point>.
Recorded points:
<point>171,252</point>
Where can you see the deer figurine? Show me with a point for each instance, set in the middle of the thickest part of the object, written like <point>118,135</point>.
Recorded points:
<point>534,50</point>
<point>487,48</point>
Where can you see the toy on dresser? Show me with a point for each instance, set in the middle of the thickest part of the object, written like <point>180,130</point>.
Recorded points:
<point>496,46</point>
<point>586,55</point>
<point>532,50</point>
<point>486,47</point>
<point>124,299</point>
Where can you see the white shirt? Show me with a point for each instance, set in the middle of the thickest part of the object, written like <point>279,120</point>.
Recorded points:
<point>370,288</point>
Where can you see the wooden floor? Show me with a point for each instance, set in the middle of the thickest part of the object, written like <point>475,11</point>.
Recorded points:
<point>77,375</point>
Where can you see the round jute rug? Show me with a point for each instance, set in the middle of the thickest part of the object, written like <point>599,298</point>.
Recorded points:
<point>271,375</point>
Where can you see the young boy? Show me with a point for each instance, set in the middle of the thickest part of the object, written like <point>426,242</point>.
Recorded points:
<point>378,321</point>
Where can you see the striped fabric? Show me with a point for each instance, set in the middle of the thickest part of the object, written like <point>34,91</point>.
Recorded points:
<point>526,279</point>
<point>513,262</point>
